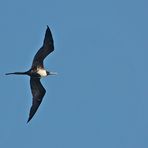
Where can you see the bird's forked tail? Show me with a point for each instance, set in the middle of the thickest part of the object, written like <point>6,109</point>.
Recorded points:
<point>17,73</point>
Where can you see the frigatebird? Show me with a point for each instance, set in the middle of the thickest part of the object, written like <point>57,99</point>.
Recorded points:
<point>37,71</point>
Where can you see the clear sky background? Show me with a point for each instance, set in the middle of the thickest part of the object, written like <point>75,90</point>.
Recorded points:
<point>99,99</point>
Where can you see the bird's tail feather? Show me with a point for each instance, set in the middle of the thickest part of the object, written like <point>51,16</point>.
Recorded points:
<point>17,73</point>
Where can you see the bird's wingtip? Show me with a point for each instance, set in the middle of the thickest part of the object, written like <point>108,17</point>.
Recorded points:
<point>28,120</point>
<point>47,26</point>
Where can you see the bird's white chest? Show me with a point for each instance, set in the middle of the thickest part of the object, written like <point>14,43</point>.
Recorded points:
<point>42,72</point>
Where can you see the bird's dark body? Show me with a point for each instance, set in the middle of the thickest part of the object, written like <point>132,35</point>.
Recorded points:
<point>37,71</point>
<point>33,73</point>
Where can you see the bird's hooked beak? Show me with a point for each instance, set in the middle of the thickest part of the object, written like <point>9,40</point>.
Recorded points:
<point>51,73</point>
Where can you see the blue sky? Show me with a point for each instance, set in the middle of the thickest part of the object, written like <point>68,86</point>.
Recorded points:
<point>99,97</point>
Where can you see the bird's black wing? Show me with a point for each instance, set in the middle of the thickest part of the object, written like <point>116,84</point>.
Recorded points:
<point>38,93</point>
<point>45,50</point>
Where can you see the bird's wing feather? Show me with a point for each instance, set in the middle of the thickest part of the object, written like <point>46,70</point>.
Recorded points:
<point>45,50</point>
<point>38,93</point>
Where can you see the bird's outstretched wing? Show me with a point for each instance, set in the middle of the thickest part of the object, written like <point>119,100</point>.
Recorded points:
<point>38,93</point>
<point>45,50</point>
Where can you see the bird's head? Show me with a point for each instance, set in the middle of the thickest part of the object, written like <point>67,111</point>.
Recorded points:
<point>51,73</point>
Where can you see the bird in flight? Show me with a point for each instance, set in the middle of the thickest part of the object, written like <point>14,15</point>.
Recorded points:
<point>37,71</point>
